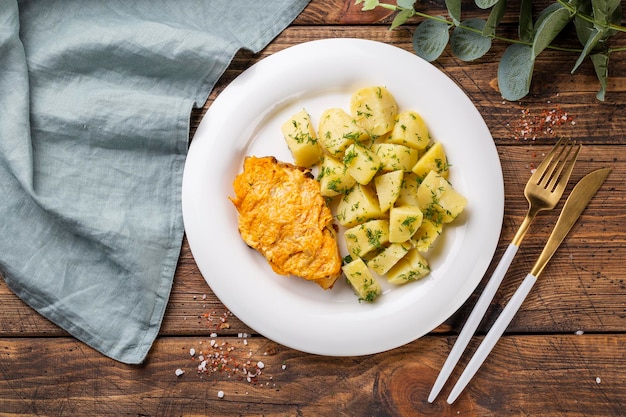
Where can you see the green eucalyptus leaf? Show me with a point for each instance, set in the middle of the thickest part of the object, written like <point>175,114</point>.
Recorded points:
<point>401,18</point>
<point>550,25</point>
<point>603,11</point>
<point>406,4</point>
<point>595,37</point>
<point>515,71</point>
<point>601,65</point>
<point>526,27</point>
<point>467,41</point>
<point>576,4</point>
<point>584,29</point>
<point>545,13</point>
<point>454,10</point>
<point>368,4</point>
<point>430,38</point>
<point>495,16</point>
<point>616,19</point>
<point>485,4</point>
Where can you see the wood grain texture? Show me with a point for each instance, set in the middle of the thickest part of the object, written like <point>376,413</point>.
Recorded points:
<point>548,375</point>
<point>553,86</point>
<point>561,356</point>
<point>582,287</point>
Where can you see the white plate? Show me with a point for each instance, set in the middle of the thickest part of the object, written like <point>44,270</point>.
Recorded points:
<point>245,119</point>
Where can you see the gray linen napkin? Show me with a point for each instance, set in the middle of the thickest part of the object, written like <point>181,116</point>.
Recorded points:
<point>95,101</point>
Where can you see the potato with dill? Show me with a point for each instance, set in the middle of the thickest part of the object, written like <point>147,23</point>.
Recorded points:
<point>385,178</point>
<point>374,109</point>
<point>283,215</point>
<point>390,187</point>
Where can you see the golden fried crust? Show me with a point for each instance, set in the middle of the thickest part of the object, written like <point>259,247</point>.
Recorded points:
<point>283,215</point>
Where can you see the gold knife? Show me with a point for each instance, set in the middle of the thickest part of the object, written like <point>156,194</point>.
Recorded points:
<point>574,206</point>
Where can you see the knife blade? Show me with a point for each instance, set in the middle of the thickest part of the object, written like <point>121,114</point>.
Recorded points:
<point>572,209</point>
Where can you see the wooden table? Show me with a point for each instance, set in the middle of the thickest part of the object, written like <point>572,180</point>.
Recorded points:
<point>563,354</point>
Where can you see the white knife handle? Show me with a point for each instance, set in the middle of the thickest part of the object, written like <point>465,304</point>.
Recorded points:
<point>493,336</point>
<point>473,320</point>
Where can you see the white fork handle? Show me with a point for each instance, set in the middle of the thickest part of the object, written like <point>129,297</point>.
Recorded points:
<point>493,336</point>
<point>474,320</point>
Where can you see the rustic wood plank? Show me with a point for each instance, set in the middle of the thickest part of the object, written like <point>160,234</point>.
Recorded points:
<point>347,12</point>
<point>582,287</point>
<point>553,88</point>
<point>565,347</point>
<point>63,377</point>
<point>339,12</point>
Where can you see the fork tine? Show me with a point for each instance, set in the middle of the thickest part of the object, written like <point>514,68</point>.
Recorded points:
<point>540,172</point>
<point>539,198</point>
<point>550,174</point>
<point>559,181</point>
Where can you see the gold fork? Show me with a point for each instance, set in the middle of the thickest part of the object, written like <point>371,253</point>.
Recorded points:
<point>545,187</point>
<point>543,191</point>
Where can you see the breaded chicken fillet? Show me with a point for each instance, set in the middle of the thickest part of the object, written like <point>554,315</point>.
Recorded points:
<point>283,215</point>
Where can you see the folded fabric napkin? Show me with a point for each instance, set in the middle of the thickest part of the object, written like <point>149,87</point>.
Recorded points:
<point>95,103</point>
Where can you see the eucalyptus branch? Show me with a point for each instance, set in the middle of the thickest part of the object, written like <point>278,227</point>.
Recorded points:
<point>412,12</point>
<point>472,38</point>
<point>590,19</point>
<point>386,6</point>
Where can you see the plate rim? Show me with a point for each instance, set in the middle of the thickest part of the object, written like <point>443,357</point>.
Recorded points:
<point>243,81</point>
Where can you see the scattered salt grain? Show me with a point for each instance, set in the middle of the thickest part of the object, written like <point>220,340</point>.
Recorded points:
<point>213,335</point>
<point>579,332</point>
<point>192,352</point>
<point>179,372</point>
<point>284,366</point>
<point>598,380</point>
<point>530,125</point>
<point>260,365</point>
<point>220,394</point>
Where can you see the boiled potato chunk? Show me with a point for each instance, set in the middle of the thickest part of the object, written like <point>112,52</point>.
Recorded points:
<point>301,139</point>
<point>388,187</point>
<point>438,199</point>
<point>366,287</point>
<point>333,177</point>
<point>388,257</point>
<point>425,236</point>
<point>366,237</point>
<point>434,159</point>
<point>337,130</point>
<point>362,163</point>
<point>388,182</point>
<point>357,206</point>
<point>410,268</point>
<point>393,156</point>
<point>404,222</point>
<point>410,130</point>
<point>408,192</point>
<point>374,109</point>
